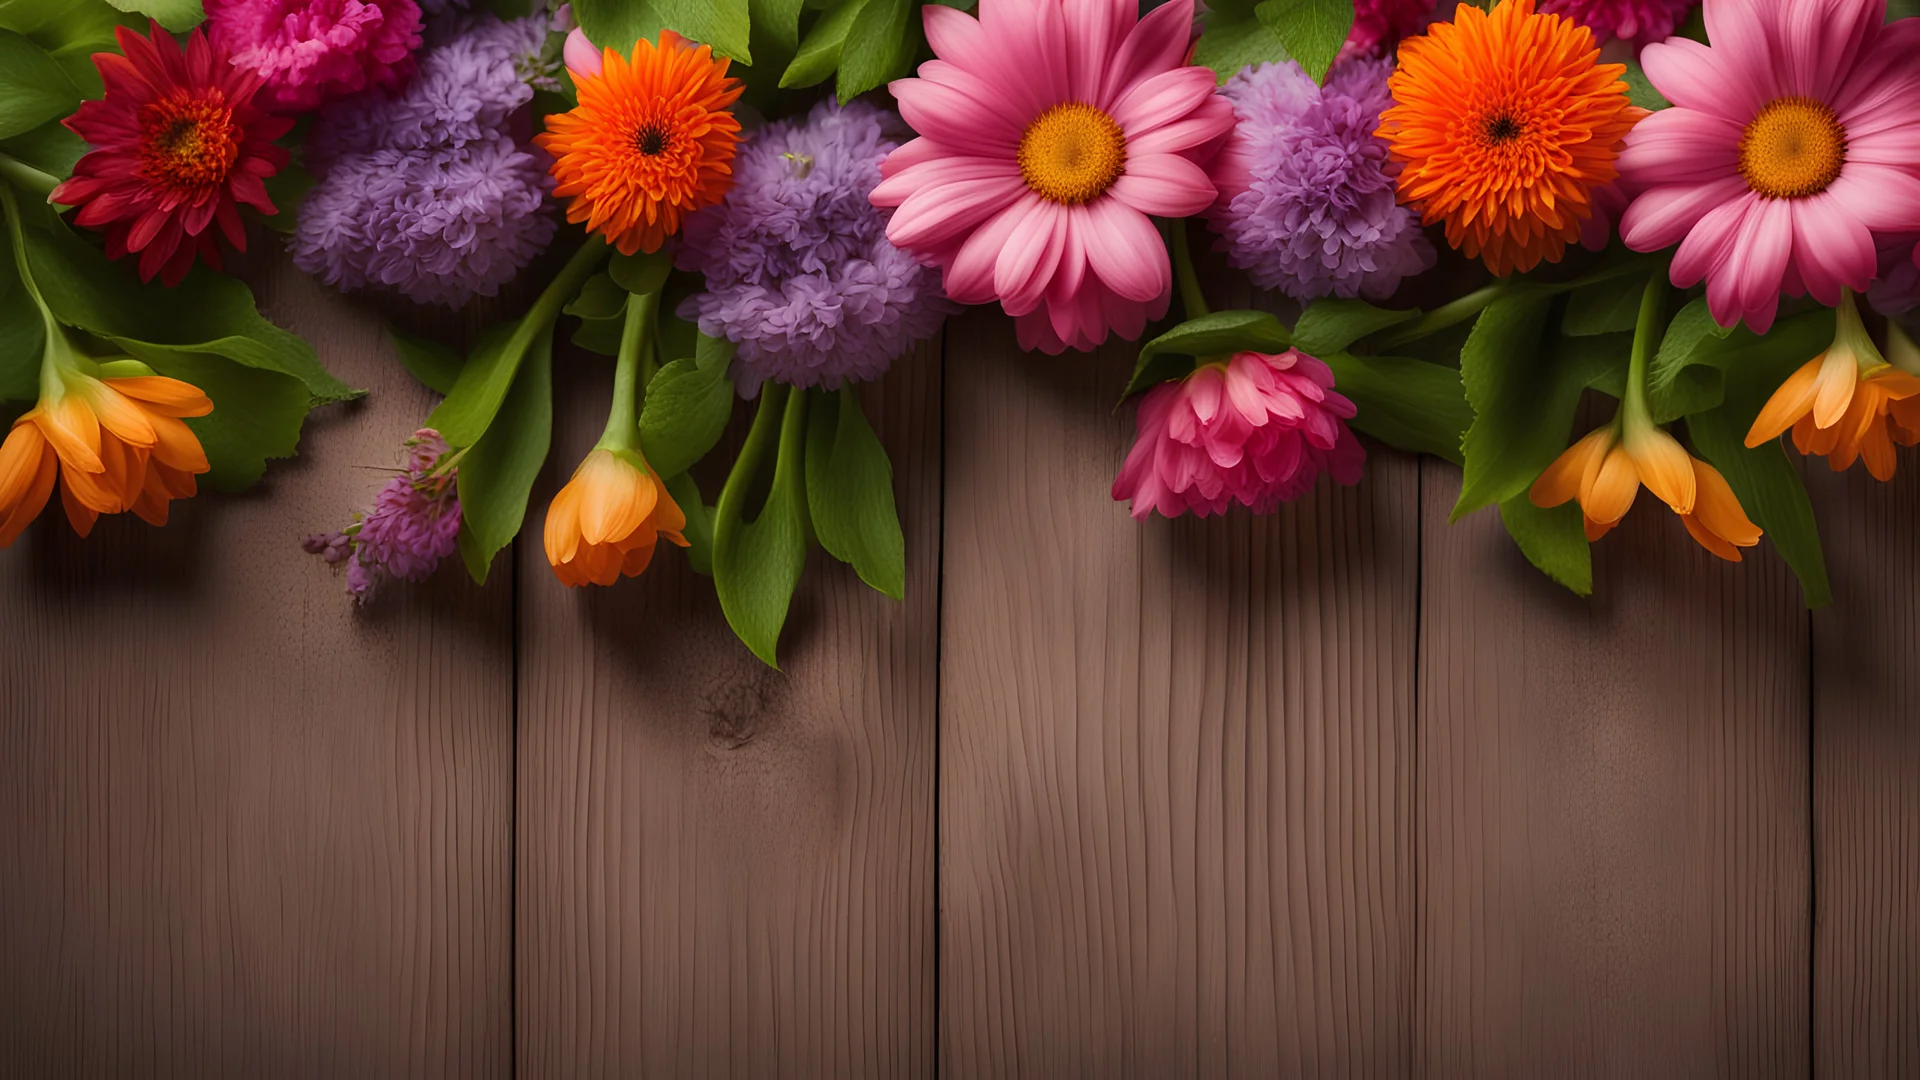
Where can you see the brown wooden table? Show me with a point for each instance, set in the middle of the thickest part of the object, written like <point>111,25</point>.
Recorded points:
<point>1341,791</point>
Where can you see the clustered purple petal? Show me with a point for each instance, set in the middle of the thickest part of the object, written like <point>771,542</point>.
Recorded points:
<point>434,193</point>
<point>1307,200</point>
<point>414,523</point>
<point>799,273</point>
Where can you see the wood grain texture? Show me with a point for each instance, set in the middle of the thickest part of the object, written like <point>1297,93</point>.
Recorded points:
<point>1613,807</point>
<point>726,870</point>
<point>1176,761</point>
<point>1866,776</point>
<point>245,829</point>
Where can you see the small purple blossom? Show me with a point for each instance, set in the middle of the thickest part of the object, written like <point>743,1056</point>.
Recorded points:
<point>1306,194</point>
<point>800,276</point>
<point>435,192</point>
<point>414,523</point>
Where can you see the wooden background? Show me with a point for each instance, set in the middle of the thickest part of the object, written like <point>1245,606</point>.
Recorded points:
<point>1342,791</point>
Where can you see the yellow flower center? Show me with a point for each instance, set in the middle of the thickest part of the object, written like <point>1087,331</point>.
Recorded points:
<point>1072,153</point>
<point>1793,148</point>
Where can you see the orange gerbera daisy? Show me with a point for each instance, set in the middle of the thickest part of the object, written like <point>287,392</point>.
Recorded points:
<point>1506,124</point>
<point>606,522</point>
<point>650,141</point>
<point>116,444</point>
<point>1604,472</point>
<point>1846,404</point>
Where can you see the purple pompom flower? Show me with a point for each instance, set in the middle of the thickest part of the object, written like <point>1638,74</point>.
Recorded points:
<point>1306,193</point>
<point>414,523</point>
<point>800,276</point>
<point>431,193</point>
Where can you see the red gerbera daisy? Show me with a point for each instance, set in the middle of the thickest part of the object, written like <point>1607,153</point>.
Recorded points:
<point>176,146</point>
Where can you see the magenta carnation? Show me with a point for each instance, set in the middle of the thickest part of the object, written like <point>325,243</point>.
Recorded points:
<point>1638,21</point>
<point>310,51</point>
<point>1383,22</point>
<point>1257,430</point>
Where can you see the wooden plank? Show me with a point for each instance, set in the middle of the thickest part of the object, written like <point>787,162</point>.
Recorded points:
<point>245,829</point>
<point>1176,764</point>
<point>1866,777</point>
<point>726,870</point>
<point>1613,807</point>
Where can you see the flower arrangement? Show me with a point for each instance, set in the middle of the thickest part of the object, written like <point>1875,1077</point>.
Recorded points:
<point>1708,215</point>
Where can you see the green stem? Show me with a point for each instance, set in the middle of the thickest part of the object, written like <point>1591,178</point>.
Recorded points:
<point>766,422</point>
<point>1191,297</point>
<point>1452,313</point>
<point>555,296</point>
<point>25,175</point>
<point>56,353</point>
<point>623,420</point>
<point>1633,407</point>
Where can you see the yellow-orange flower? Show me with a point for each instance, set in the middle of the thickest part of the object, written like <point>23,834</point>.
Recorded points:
<point>1846,404</point>
<point>605,523</point>
<point>1604,472</point>
<point>1506,124</point>
<point>650,141</point>
<point>116,444</point>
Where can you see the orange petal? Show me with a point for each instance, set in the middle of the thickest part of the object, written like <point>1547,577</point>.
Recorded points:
<point>73,430</point>
<point>1709,541</point>
<point>177,446</point>
<point>1565,478</point>
<point>1614,485</point>
<point>79,515</point>
<point>1665,467</point>
<point>1793,400</point>
<point>1839,371</point>
<point>32,500</point>
<point>164,396</point>
<point>1876,449</point>
<point>1719,510</point>
<point>562,533</point>
<point>617,499</point>
<point>20,462</point>
<point>118,413</point>
<point>1597,529</point>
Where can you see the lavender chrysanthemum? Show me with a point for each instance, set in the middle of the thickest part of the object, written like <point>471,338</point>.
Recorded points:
<point>800,276</point>
<point>428,193</point>
<point>414,523</point>
<point>1306,196</point>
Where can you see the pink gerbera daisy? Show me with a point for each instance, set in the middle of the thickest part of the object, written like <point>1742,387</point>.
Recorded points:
<point>1049,131</point>
<point>1793,140</point>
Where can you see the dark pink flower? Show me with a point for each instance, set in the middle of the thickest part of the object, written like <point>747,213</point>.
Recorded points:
<point>310,51</point>
<point>1257,430</point>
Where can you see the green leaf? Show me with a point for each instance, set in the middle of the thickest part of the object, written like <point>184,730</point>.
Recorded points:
<point>850,492</point>
<point>288,190</point>
<point>1767,484</point>
<point>33,88</point>
<point>1409,404</point>
<point>177,16</point>
<point>779,20</point>
<point>757,559</point>
<point>497,474</point>
<point>1604,307</point>
<point>1640,89</point>
<point>257,414</point>
<point>1229,47</point>
<point>436,366</point>
<point>618,24</point>
<point>205,313</point>
<point>1554,540</point>
<point>639,274</point>
<point>872,52</point>
<point>699,530</point>
<point>1691,333</point>
<point>1311,31</point>
<point>23,335</point>
<point>51,148</point>
<point>1209,335</point>
<point>687,406</point>
<point>819,55</point>
<point>1523,394</point>
<point>601,307</point>
<point>1902,9</point>
<point>74,34</point>
<point>1331,324</point>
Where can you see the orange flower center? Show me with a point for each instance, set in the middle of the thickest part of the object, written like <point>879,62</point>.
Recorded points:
<point>1072,153</point>
<point>188,143</point>
<point>1794,148</point>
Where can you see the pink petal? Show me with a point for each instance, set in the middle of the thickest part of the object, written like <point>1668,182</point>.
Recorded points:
<point>1680,145</point>
<point>1831,248</point>
<point>1095,28</point>
<point>897,187</point>
<point>1162,99</point>
<point>944,114</point>
<point>1884,199</point>
<point>914,152</point>
<point>1025,267</point>
<point>1164,185</point>
<point>1156,44</point>
<point>1028,53</point>
<point>1710,242</point>
<point>982,95</point>
<point>1662,217</point>
<point>936,214</point>
<point>581,55</point>
<point>1695,77</point>
<point>1202,126</point>
<point>969,280</point>
<point>1764,246</point>
<point>1126,251</point>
